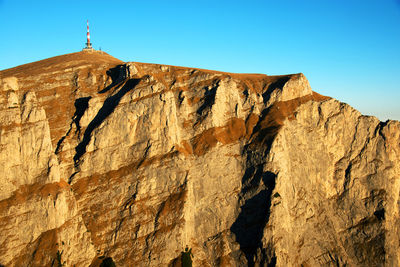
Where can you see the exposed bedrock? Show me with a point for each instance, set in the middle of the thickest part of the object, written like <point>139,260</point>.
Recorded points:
<point>103,161</point>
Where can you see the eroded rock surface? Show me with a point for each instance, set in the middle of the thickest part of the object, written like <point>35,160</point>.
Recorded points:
<point>129,162</point>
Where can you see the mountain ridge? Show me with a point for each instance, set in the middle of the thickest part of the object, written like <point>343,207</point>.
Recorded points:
<point>129,161</point>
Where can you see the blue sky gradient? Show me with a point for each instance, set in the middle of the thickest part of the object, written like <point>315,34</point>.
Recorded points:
<point>349,50</point>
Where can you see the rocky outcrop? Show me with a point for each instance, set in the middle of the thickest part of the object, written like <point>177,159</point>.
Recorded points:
<point>104,161</point>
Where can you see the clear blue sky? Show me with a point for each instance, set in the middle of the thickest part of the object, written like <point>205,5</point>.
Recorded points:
<point>348,49</point>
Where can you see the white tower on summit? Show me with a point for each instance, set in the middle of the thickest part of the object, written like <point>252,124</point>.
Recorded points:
<point>88,43</point>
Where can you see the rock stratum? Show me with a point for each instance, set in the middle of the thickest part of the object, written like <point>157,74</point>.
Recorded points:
<point>105,161</point>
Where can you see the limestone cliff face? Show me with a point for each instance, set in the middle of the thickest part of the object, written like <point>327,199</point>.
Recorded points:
<point>103,160</point>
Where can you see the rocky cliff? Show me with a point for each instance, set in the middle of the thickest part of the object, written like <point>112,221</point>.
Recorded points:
<point>104,161</point>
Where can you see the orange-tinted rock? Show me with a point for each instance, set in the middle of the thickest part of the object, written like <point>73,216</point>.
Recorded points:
<point>105,161</point>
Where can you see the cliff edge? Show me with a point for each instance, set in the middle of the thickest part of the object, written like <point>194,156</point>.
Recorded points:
<point>105,161</point>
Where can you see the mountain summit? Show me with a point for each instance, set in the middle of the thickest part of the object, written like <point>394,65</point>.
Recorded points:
<point>130,163</point>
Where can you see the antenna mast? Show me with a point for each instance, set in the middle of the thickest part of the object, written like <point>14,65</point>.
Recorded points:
<point>88,43</point>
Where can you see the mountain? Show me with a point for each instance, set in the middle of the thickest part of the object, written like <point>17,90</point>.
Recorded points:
<point>108,162</point>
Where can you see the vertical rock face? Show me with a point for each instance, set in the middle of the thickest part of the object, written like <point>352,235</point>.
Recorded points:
<point>103,161</point>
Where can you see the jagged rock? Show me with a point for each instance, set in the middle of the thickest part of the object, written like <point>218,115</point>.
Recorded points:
<point>105,161</point>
